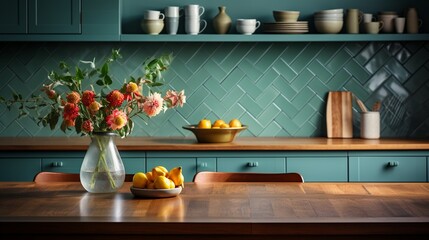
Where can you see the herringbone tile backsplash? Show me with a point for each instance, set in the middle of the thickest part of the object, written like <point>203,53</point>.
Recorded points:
<point>277,89</point>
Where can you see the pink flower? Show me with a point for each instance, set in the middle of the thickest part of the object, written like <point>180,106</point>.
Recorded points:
<point>153,104</point>
<point>87,126</point>
<point>116,120</point>
<point>174,98</point>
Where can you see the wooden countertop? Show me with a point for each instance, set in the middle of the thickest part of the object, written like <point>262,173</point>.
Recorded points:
<point>240,143</point>
<point>239,210</point>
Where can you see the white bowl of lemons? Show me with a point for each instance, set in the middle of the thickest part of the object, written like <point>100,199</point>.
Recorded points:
<point>158,183</point>
<point>218,132</point>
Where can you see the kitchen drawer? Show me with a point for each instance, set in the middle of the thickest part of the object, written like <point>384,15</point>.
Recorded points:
<point>319,169</point>
<point>388,169</point>
<point>189,165</point>
<point>247,164</point>
<point>66,165</point>
<point>19,168</point>
<point>134,164</point>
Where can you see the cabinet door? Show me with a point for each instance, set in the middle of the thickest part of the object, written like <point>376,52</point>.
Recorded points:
<point>134,164</point>
<point>247,164</point>
<point>19,169</point>
<point>206,164</point>
<point>189,165</point>
<point>388,169</point>
<point>54,16</point>
<point>13,16</point>
<point>319,169</point>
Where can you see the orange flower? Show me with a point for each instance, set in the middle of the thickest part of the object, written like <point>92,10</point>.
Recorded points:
<point>71,111</point>
<point>73,97</point>
<point>94,107</point>
<point>132,87</point>
<point>116,120</point>
<point>115,98</point>
<point>88,97</point>
<point>69,122</point>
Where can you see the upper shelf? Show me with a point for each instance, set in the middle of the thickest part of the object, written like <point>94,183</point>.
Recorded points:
<point>272,37</point>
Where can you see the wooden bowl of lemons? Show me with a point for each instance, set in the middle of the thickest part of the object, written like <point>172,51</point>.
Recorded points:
<point>218,132</point>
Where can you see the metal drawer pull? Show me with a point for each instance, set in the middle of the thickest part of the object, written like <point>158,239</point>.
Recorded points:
<point>203,164</point>
<point>252,164</point>
<point>57,164</point>
<point>393,164</point>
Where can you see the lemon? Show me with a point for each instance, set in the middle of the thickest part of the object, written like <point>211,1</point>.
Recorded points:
<point>224,125</point>
<point>205,123</point>
<point>149,176</point>
<point>159,171</point>
<point>172,185</point>
<point>218,123</point>
<point>140,180</point>
<point>162,182</point>
<point>150,185</point>
<point>235,123</point>
<point>176,176</point>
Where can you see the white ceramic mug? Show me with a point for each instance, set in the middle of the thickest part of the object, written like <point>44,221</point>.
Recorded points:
<point>247,26</point>
<point>153,15</point>
<point>193,25</point>
<point>399,24</point>
<point>367,17</point>
<point>387,19</point>
<point>173,11</point>
<point>194,10</point>
<point>370,125</point>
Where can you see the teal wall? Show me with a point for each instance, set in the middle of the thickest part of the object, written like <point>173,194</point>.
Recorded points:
<point>278,89</point>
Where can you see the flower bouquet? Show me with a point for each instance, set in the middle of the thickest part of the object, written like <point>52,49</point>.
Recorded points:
<point>100,114</point>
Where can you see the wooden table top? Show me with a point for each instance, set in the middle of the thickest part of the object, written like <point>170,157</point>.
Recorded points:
<point>190,144</point>
<point>248,209</point>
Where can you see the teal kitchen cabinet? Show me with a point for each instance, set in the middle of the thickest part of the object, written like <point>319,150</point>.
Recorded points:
<point>206,164</point>
<point>319,166</point>
<point>54,16</point>
<point>60,20</point>
<point>13,16</point>
<point>62,164</point>
<point>388,166</point>
<point>19,166</point>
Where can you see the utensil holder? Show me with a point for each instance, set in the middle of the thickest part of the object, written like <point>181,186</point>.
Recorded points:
<point>370,125</point>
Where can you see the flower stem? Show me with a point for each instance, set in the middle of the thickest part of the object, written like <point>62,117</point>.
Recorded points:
<point>102,163</point>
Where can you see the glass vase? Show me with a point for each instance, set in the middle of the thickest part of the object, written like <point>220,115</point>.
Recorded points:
<point>102,170</point>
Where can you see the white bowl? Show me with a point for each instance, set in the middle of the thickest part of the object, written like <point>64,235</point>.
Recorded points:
<point>327,19</point>
<point>331,27</point>
<point>339,10</point>
<point>339,15</point>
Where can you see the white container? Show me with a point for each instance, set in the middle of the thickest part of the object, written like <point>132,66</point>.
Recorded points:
<point>370,125</point>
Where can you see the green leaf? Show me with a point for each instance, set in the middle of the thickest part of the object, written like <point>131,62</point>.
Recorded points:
<point>100,82</point>
<point>107,80</point>
<point>155,84</point>
<point>105,70</point>
<point>78,125</point>
<point>53,119</point>
<point>63,127</point>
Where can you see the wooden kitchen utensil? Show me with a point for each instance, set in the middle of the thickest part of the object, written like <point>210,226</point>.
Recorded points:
<point>339,117</point>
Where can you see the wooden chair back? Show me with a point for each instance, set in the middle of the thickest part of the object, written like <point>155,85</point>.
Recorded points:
<point>208,177</point>
<point>65,177</point>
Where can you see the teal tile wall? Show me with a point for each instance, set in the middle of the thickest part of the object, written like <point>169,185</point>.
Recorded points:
<point>278,89</point>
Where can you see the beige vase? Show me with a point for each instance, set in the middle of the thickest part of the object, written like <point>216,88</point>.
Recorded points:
<point>222,22</point>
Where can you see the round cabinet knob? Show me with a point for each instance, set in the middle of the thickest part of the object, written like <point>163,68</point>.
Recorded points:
<point>393,164</point>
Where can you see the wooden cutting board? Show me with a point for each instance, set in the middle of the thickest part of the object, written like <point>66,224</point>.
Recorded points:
<point>339,116</point>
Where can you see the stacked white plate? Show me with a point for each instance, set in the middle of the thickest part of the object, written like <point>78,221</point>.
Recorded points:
<point>329,21</point>
<point>286,27</point>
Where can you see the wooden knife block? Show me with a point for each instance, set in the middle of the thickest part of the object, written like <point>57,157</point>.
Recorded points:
<point>339,115</point>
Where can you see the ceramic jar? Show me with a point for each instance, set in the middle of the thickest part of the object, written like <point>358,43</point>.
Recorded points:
<point>412,22</point>
<point>353,19</point>
<point>222,22</point>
